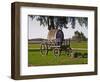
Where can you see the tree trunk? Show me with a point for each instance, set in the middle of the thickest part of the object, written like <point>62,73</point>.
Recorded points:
<point>73,22</point>
<point>51,23</point>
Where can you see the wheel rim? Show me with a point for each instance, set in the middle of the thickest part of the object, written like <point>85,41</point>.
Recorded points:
<point>44,49</point>
<point>56,51</point>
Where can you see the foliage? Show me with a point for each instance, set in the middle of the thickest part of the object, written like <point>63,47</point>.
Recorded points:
<point>79,36</point>
<point>85,55</point>
<point>77,54</point>
<point>55,22</point>
<point>80,55</point>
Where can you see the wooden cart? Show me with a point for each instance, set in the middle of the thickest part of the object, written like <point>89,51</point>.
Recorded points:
<point>56,43</point>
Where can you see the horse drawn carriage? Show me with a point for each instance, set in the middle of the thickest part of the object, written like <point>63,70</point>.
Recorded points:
<point>55,42</point>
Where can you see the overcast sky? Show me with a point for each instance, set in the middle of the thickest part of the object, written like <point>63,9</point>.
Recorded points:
<point>37,31</point>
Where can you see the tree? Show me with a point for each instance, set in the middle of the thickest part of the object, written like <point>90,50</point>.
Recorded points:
<point>83,38</point>
<point>79,36</point>
<point>55,22</point>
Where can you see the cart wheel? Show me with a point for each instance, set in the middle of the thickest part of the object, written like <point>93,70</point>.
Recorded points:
<point>44,49</point>
<point>69,51</point>
<point>56,51</point>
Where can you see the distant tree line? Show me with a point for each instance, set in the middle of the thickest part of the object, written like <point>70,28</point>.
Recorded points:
<point>79,36</point>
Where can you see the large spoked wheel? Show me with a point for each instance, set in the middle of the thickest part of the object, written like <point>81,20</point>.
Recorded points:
<point>56,51</point>
<point>44,49</point>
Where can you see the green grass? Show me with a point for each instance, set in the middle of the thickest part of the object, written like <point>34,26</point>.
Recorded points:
<point>30,45</point>
<point>36,59</point>
<point>73,44</point>
<point>82,44</point>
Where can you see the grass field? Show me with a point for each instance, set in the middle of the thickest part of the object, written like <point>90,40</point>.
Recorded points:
<point>82,44</point>
<point>36,59</point>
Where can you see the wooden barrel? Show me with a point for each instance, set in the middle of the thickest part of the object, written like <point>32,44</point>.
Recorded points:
<point>57,35</point>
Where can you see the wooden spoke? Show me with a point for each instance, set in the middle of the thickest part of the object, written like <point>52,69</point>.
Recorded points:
<point>44,49</point>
